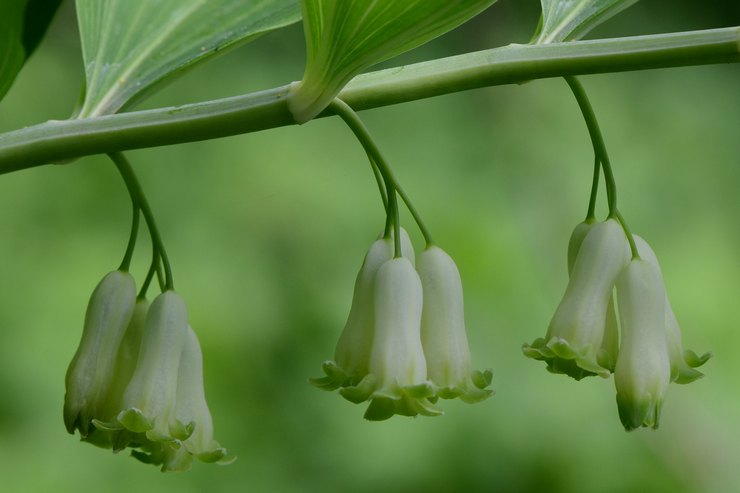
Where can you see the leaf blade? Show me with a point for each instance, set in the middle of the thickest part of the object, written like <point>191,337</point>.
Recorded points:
<point>12,53</point>
<point>568,20</point>
<point>22,25</point>
<point>129,46</point>
<point>345,37</point>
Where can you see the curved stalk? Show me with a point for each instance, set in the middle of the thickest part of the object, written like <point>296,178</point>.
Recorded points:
<point>138,196</point>
<point>57,141</point>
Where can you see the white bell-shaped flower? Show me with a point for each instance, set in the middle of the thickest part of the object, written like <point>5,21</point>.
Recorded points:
<point>92,370</point>
<point>607,355</point>
<point>573,344</point>
<point>443,333</point>
<point>397,368</point>
<point>191,408</point>
<point>683,362</point>
<point>643,369</point>
<point>149,400</point>
<point>352,353</point>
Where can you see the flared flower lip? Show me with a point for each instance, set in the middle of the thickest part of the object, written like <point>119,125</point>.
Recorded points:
<point>562,358</point>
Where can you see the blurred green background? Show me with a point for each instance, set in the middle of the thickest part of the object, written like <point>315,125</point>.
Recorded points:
<point>267,231</point>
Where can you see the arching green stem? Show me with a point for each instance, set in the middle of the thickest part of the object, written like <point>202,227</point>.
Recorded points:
<point>353,121</point>
<point>379,180</point>
<point>630,238</point>
<point>138,196</point>
<point>597,140</point>
<point>126,262</point>
<point>591,213</point>
<point>149,276</point>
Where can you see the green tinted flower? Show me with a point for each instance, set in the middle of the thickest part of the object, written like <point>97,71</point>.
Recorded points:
<point>191,408</point>
<point>352,353</point>
<point>128,355</point>
<point>397,368</point>
<point>683,362</point>
<point>576,240</point>
<point>643,369</point>
<point>149,400</point>
<point>573,344</point>
<point>443,333</point>
<point>379,355</point>
<point>607,355</point>
<point>92,371</point>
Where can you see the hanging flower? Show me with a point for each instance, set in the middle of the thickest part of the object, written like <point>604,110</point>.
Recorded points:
<point>576,240</point>
<point>573,344</point>
<point>443,333</point>
<point>683,362</point>
<point>643,369</point>
<point>149,400</point>
<point>379,356</point>
<point>191,408</point>
<point>352,353</point>
<point>92,370</point>
<point>607,355</point>
<point>157,405</point>
<point>397,369</point>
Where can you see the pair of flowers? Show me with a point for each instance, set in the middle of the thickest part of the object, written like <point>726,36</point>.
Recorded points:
<point>404,344</point>
<point>584,335</point>
<point>136,379</point>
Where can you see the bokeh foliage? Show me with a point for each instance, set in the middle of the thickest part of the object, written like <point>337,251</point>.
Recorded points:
<point>266,232</point>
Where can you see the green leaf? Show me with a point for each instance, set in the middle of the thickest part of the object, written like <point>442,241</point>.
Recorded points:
<point>22,25</point>
<point>345,37</point>
<point>37,18</point>
<point>568,20</point>
<point>12,54</point>
<point>129,46</point>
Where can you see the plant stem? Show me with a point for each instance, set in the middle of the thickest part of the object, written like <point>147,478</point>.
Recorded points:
<point>630,238</point>
<point>57,141</point>
<point>597,140</point>
<point>379,180</point>
<point>137,195</point>
<point>591,213</point>
<point>126,262</point>
<point>346,113</point>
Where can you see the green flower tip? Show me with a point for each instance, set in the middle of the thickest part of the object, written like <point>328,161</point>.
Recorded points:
<point>637,413</point>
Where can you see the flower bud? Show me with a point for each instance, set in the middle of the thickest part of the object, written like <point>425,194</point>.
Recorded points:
<point>683,363</point>
<point>607,355</point>
<point>443,333</point>
<point>352,353</point>
<point>92,370</point>
<point>149,399</point>
<point>643,369</point>
<point>191,409</point>
<point>576,332</point>
<point>397,357</point>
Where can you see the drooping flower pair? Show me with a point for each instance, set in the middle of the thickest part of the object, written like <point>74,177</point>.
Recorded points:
<point>404,344</point>
<point>583,338</point>
<point>136,379</point>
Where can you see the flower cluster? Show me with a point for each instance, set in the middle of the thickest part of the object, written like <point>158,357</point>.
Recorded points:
<point>639,341</point>
<point>136,379</point>
<point>404,344</point>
